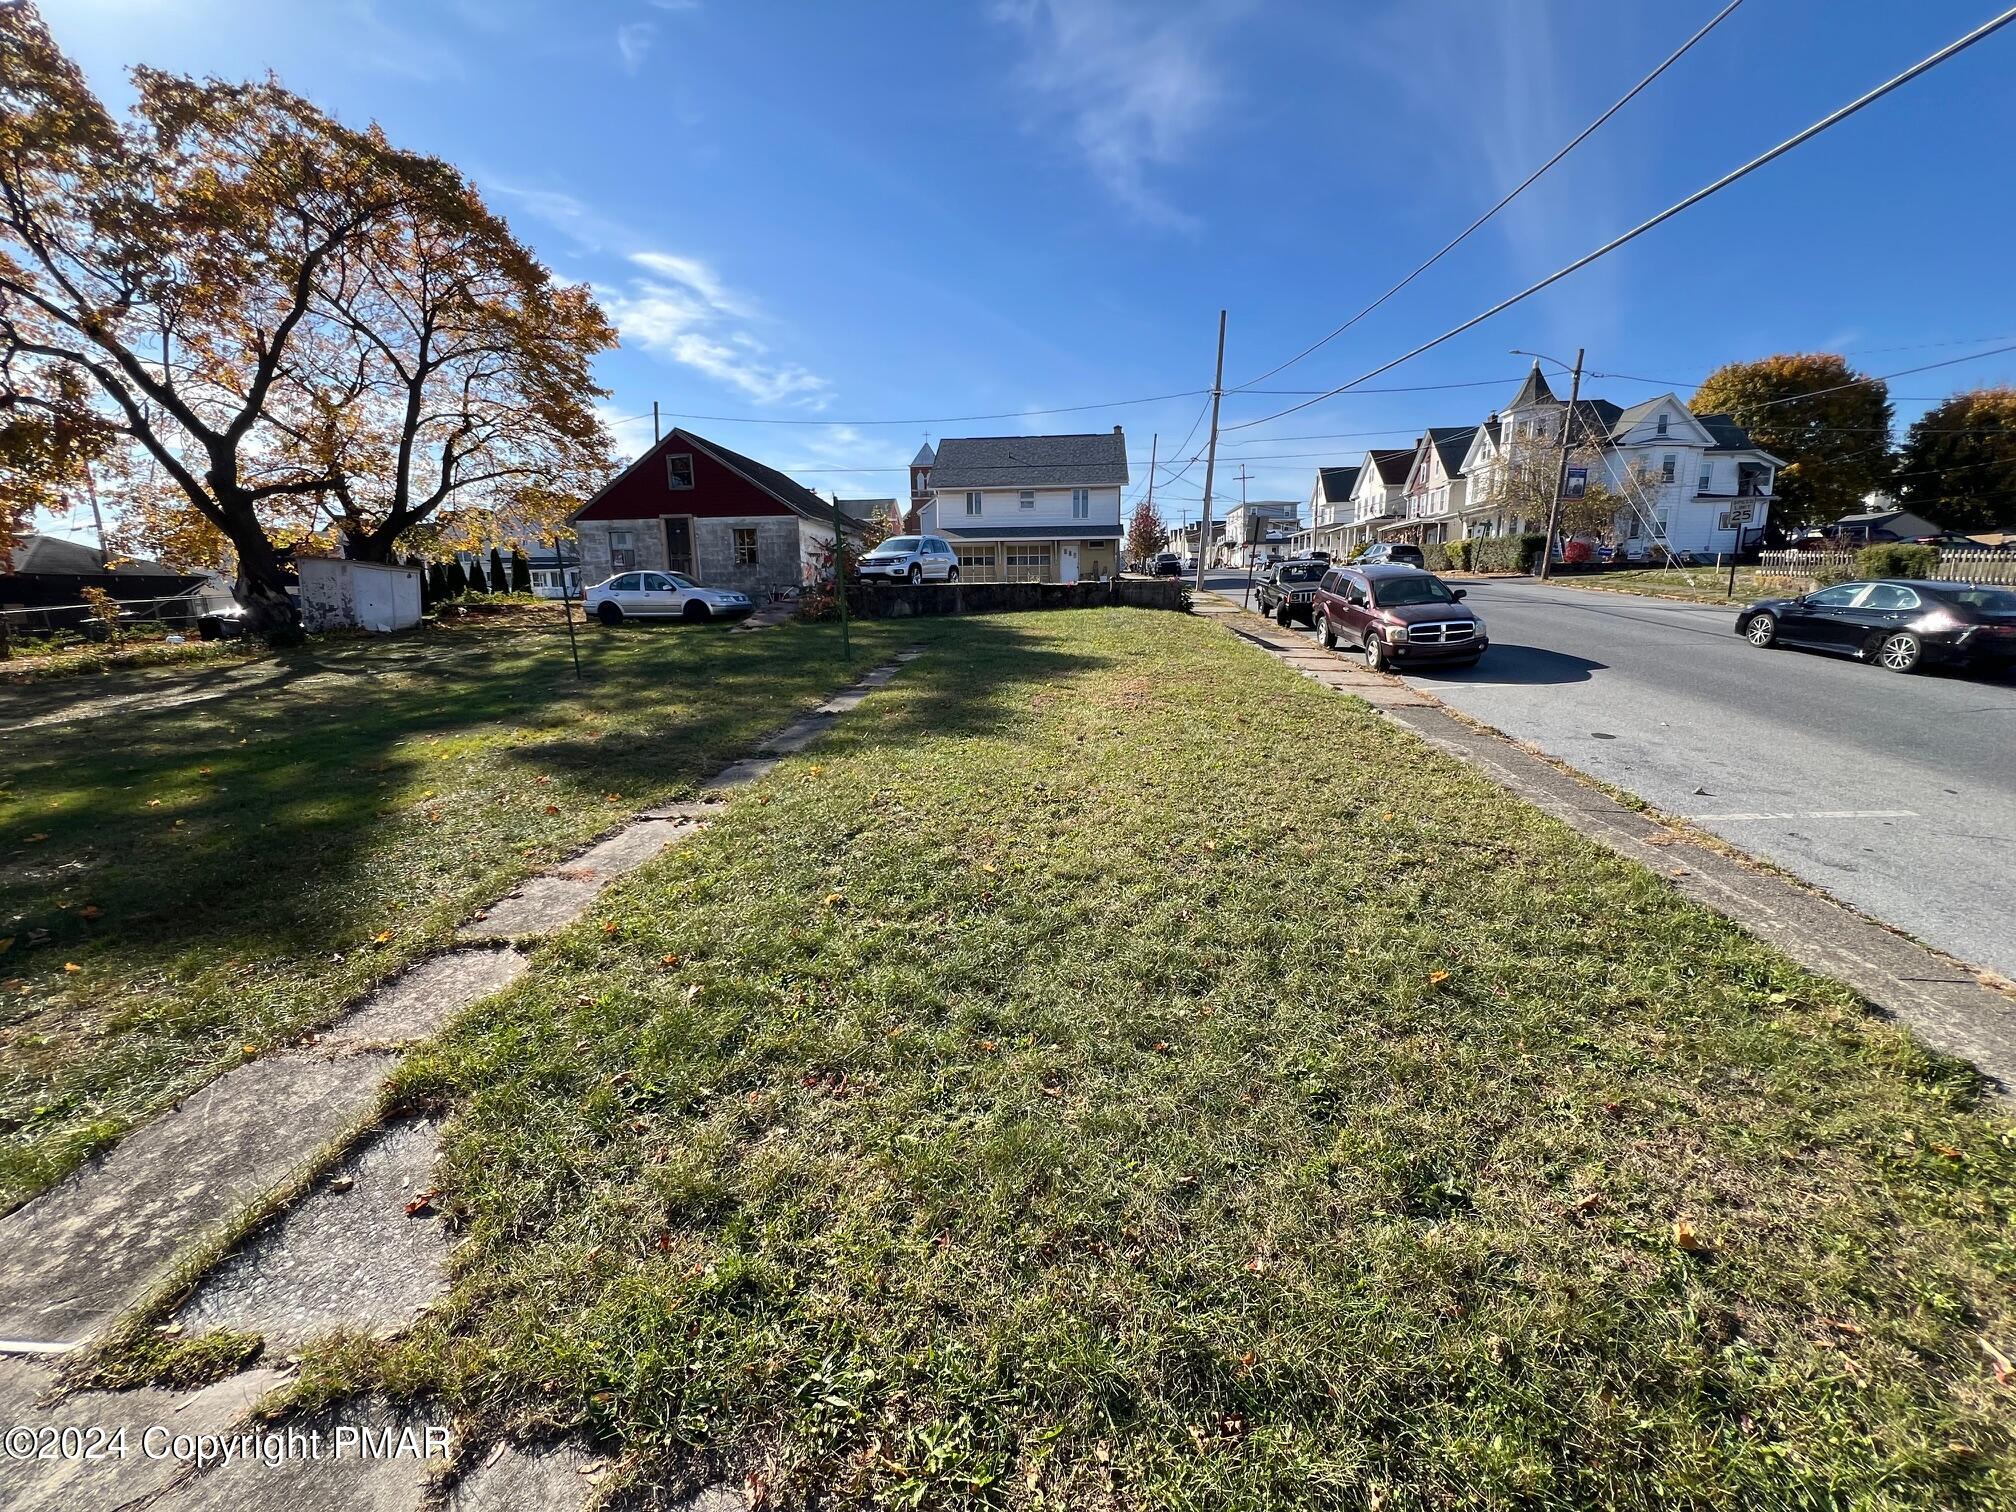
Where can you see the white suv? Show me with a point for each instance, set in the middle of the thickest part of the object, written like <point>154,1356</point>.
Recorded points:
<point>911,559</point>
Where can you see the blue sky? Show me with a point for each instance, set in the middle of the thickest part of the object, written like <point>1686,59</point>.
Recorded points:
<point>838,213</point>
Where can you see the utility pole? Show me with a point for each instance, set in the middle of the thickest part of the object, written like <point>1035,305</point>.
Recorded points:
<point>1561,472</point>
<point>840,577</point>
<point>654,422</point>
<point>1154,448</point>
<point>1211,456</point>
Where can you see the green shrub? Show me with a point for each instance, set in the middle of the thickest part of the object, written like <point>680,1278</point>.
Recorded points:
<point>1896,560</point>
<point>1506,553</point>
<point>478,583</point>
<point>521,571</point>
<point>437,584</point>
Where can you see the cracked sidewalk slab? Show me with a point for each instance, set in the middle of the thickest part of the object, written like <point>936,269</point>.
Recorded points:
<point>348,1254</point>
<point>77,1484</point>
<point>418,1003</point>
<point>96,1242</point>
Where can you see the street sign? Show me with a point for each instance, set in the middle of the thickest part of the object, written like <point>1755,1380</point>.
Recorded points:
<point>1740,514</point>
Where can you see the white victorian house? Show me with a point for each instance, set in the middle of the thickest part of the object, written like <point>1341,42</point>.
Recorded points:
<point>1685,482</point>
<point>1028,508</point>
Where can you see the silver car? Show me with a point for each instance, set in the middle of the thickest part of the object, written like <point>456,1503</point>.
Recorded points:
<point>660,595</point>
<point>910,559</point>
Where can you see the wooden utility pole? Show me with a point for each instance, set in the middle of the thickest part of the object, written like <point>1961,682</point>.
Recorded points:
<point>654,422</point>
<point>840,576</point>
<point>1561,472</point>
<point>1211,456</point>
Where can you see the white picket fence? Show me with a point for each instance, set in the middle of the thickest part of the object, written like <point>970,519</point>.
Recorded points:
<point>1956,566</point>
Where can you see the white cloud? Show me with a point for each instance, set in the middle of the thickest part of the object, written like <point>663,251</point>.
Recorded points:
<point>633,43</point>
<point>1134,83</point>
<point>679,309</point>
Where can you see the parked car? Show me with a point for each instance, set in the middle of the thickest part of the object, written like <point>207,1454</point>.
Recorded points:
<point>1900,624</point>
<point>661,595</point>
<point>1168,564</point>
<point>1392,551</point>
<point>1288,592</point>
<point>910,559</point>
<point>1398,615</point>
<point>1189,564</point>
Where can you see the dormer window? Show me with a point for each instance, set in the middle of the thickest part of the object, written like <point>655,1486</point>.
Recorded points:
<point>1662,424</point>
<point>679,470</point>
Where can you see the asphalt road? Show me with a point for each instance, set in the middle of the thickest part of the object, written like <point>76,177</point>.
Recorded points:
<point>1895,793</point>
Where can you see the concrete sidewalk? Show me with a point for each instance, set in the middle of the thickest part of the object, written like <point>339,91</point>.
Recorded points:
<point>1951,1006</point>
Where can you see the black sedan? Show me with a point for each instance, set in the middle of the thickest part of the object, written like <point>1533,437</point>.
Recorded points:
<point>1900,624</point>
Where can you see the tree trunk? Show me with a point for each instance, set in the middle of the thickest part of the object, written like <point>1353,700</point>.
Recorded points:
<point>270,610</point>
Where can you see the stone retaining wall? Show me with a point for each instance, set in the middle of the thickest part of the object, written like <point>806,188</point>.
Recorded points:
<point>900,600</point>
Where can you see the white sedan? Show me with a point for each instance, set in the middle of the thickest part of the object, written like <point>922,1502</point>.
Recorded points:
<point>660,595</point>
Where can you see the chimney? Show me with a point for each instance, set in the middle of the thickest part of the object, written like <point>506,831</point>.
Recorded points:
<point>1116,430</point>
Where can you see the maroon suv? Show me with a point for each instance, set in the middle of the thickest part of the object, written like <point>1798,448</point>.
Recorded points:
<point>1400,615</point>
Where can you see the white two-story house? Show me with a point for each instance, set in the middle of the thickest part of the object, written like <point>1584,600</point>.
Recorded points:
<point>1330,510</point>
<point>1040,509</point>
<point>1685,482</point>
<point>1378,497</point>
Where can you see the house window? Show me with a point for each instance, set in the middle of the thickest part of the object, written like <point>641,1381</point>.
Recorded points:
<point>1026,499</point>
<point>1662,425</point>
<point>622,550</point>
<point>679,470</point>
<point>973,502</point>
<point>1707,477</point>
<point>1029,556</point>
<point>1669,465</point>
<point>745,547</point>
<point>1081,503</point>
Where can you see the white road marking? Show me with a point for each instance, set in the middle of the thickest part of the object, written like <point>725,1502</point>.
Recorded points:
<point>1807,814</point>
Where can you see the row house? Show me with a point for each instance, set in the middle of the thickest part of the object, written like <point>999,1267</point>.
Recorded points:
<point>1331,515</point>
<point>1684,482</point>
<point>1257,528</point>
<point>1378,497</point>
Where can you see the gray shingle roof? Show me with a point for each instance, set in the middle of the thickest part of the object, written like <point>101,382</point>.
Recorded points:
<point>1450,442</point>
<point>48,553</point>
<point>1337,483</point>
<point>1393,462</point>
<point>1096,460</point>
<point>1729,436</point>
<point>1533,391</point>
<point>924,457</point>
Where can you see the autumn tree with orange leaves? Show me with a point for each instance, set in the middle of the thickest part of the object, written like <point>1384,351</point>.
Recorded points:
<point>288,326</point>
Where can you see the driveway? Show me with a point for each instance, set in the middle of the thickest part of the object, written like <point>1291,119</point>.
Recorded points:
<point>1896,794</point>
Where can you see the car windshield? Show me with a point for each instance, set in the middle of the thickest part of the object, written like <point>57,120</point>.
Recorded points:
<point>896,546</point>
<point>1301,572</point>
<point>1987,600</point>
<point>1411,590</point>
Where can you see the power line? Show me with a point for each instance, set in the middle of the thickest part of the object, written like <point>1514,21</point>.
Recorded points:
<point>1951,49</point>
<point>1531,179</point>
<point>1062,409</point>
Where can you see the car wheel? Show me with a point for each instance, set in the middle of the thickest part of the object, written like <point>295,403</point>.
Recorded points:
<point>608,613</point>
<point>696,612</point>
<point>916,576</point>
<point>1324,633</point>
<point>952,576</point>
<point>1762,629</point>
<point>1281,615</point>
<point>1376,655</point>
<point>1901,652</point>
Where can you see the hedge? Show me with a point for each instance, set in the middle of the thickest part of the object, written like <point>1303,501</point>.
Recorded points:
<point>1897,560</point>
<point>1506,553</point>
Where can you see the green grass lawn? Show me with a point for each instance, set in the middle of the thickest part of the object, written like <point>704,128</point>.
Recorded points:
<point>1112,1071</point>
<point>216,876</point>
<point>1696,585</point>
